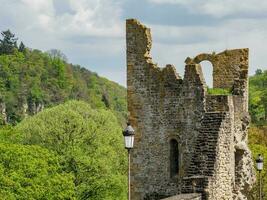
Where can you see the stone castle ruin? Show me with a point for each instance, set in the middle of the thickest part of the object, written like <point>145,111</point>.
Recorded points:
<point>189,144</point>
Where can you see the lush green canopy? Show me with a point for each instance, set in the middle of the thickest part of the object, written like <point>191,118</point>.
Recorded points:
<point>89,143</point>
<point>258,97</point>
<point>32,172</point>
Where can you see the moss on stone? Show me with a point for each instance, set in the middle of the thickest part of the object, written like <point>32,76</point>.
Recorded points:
<point>219,91</point>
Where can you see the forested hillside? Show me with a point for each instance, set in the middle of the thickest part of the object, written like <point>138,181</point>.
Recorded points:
<point>31,80</point>
<point>60,128</point>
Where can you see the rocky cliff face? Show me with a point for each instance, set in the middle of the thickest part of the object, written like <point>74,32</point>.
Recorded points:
<point>25,110</point>
<point>3,116</point>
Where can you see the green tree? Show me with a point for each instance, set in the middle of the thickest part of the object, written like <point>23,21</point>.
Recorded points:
<point>264,102</point>
<point>32,172</point>
<point>60,71</point>
<point>89,142</point>
<point>258,72</point>
<point>8,43</point>
<point>258,97</point>
<point>22,47</point>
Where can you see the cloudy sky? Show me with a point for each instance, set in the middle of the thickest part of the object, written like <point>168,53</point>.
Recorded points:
<point>92,32</point>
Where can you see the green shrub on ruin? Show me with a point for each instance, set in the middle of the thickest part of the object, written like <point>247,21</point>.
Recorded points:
<point>219,91</point>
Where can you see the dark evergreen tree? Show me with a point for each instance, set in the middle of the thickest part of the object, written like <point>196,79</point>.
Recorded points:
<point>8,43</point>
<point>258,72</point>
<point>22,47</point>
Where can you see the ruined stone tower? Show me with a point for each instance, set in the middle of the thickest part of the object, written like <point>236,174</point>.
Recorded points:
<point>187,141</point>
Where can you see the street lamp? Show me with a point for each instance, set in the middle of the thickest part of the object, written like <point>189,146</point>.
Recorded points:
<point>259,163</point>
<point>128,134</point>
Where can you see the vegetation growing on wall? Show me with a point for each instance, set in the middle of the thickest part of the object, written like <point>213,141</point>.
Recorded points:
<point>219,91</point>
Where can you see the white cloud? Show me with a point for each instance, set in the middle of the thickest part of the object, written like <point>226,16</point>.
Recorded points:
<point>39,5</point>
<point>89,17</point>
<point>219,8</point>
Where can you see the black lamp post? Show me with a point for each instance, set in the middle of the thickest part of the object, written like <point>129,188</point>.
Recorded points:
<point>128,134</point>
<point>259,163</point>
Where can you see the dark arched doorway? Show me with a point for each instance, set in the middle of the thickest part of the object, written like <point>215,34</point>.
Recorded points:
<point>174,158</point>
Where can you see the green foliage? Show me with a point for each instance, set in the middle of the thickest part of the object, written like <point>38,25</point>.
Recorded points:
<point>258,135</point>
<point>31,78</point>
<point>258,131</point>
<point>89,143</point>
<point>9,43</point>
<point>254,193</point>
<point>258,97</point>
<point>8,135</point>
<point>32,172</point>
<point>82,143</point>
<point>71,151</point>
<point>22,47</point>
<point>258,72</point>
<point>219,91</point>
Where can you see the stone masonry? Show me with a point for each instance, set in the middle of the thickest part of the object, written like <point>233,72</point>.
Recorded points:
<point>188,142</point>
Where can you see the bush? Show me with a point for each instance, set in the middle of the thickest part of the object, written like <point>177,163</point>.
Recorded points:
<point>90,145</point>
<point>32,172</point>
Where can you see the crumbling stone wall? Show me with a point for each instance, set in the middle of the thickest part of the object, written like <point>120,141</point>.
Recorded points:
<point>230,70</point>
<point>211,131</point>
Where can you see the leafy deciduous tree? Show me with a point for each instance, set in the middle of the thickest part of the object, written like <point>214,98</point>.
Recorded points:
<point>32,172</point>
<point>90,145</point>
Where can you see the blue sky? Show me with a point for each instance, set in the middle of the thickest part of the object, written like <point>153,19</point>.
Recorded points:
<point>92,32</point>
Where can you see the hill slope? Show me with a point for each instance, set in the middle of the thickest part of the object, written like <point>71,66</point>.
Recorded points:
<point>31,80</point>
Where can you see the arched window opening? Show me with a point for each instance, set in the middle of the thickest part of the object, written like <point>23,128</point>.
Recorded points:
<point>207,70</point>
<point>174,158</point>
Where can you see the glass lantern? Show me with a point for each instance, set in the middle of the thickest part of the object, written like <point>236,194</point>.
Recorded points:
<point>128,134</point>
<point>259,162</point>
